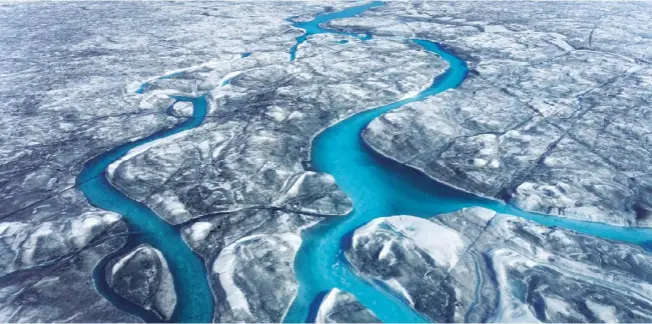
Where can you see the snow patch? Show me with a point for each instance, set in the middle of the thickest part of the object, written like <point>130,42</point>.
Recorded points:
<point>443,244</point>
<point>225,266</point>
<point>123,261</point>
<point>226,80</point>
<point>496,29</point>
<point>605,313</point>
<point>110,170</point>
<point>199,231</point>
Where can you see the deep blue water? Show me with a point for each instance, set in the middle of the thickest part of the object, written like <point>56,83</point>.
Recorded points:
<point>381,187</point>
<point>314,26</point>
<point>378,187</point>
<point>194,297</point>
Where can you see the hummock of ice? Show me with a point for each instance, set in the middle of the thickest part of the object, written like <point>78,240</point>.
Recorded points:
<point>341,307</point>
<point>142,276</point>
<point>475,266</point>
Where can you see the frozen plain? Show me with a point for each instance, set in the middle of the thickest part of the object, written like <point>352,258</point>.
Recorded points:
<point>237,186</point>
<point>550,119</point>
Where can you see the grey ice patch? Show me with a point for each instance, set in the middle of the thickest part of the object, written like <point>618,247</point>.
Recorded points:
<point>507,269</point>
<point>142,276</point>
<point>342,307</point>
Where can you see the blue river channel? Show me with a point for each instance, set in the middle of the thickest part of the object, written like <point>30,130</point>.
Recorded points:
<point>194,296</point>
<point>380,187</point>
<point>314,26</point>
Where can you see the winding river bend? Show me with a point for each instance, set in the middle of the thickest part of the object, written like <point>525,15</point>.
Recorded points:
<point>382,187</point>
<point>314,26</point>
<point>194,296</point>
<point>378,187</point>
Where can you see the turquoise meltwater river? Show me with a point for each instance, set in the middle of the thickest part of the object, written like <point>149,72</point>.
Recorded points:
<point>194,296</point>
<point>314,26</point>
<point>378,187</point>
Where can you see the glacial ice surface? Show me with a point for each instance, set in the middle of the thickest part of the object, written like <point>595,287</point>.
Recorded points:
<point>341,307</point>
<point>476,265</point>
<point>142,276</point>
<point>551,117</point>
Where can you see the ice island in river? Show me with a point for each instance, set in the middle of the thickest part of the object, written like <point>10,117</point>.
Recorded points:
<point>349,162</point>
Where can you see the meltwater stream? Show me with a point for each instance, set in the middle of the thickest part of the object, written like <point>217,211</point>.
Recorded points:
<point>314,26</point>
<point>376,191</point>
<point>378,187</point>
<point>381,187</point>
<point>194,296</point>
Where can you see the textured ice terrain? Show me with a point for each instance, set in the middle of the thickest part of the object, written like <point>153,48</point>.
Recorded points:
<point>552,117</point>
<point>48,253</point>
<point>475,265</point>
<point>143,277</point>
<point>250,150</point>
<point>250,254</point>
<point>241,173</point>
<point>341,307</point>
<point>68,81</point>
